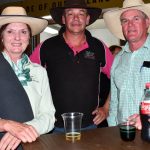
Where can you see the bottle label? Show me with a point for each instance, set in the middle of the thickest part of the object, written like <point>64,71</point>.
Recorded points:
<point>145,107</point>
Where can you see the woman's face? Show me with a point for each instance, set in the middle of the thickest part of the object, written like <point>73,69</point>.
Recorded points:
<point>15,39</point>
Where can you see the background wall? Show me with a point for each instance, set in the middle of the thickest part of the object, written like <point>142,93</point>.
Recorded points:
<point>105,36</point>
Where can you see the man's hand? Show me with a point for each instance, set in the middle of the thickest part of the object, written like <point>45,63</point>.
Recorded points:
<point>23,132</point>
<point>136,121</point>
<point>101,114</point>
<point>9,142</point>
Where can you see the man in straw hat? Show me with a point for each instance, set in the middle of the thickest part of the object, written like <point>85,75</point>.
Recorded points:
<point>73,60</point>
<point>26,107</point>
<point>129,72</point>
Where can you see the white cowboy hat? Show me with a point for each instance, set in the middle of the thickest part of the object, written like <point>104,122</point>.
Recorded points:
<point>18,14</point>
<point>112,18</point>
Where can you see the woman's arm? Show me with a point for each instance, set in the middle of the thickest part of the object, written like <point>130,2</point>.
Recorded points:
<point>44,118</point>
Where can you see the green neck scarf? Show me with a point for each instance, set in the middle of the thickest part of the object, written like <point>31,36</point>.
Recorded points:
<point>20,68</point>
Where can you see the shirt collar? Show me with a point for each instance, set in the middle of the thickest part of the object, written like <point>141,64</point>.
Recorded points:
<point>145,45</point>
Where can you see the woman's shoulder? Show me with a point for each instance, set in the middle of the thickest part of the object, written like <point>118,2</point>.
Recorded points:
<point>37,66</point>
<point>37,69</point>
<point>38,73</point>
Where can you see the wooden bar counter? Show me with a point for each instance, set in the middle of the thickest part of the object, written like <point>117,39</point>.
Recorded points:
<point>96,139</point>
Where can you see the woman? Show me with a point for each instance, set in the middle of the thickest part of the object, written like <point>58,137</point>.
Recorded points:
<point>26,107</point>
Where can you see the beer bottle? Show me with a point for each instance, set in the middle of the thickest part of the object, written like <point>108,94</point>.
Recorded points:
<point>145,114</point>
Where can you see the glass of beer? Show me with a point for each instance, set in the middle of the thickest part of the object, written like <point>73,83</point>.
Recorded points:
<point>72,125</point>
<point>127,131</point>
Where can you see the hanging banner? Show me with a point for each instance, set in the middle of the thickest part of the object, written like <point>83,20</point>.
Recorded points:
<point>38,8</point>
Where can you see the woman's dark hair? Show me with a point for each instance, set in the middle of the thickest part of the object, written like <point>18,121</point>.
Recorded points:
<point>3,27</point>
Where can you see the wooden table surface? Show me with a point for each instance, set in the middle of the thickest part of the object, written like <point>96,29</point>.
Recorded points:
<point>96,139</point>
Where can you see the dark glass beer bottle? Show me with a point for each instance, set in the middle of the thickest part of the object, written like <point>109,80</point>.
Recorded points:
<point>145,114</point>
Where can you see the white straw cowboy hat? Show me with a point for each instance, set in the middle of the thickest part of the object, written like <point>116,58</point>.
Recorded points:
<point>18,14</point>
<point>112,18</point>
<point>57,12</point>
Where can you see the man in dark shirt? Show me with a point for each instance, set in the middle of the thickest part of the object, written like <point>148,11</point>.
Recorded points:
<point>73,60</point>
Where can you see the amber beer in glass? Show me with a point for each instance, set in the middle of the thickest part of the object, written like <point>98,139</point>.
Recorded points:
<point>72,125</point>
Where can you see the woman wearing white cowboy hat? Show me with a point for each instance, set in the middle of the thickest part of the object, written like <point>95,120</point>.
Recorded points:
<point>26,107</point>
<point>129,72</point>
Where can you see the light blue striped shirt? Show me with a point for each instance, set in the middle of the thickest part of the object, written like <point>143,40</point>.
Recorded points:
<point>128,78</point>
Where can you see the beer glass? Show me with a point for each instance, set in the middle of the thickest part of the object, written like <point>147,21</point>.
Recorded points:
<point>72,125</point>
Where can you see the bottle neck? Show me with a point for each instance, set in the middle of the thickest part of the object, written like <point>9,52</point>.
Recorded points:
<point>146,95</point>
